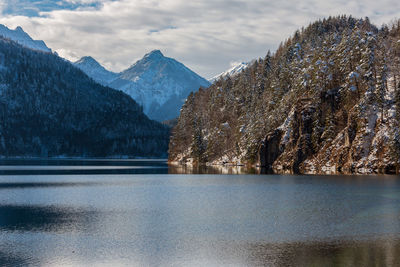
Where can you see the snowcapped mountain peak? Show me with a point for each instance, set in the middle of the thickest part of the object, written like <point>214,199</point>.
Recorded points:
<point>88,60</point>
<point>152,66</point>
<point>94,70</point>
<point>151,58</point>
<point>234,70</point>
<point>154,54</point>
<point>20,36</point>
<point>160,84</point>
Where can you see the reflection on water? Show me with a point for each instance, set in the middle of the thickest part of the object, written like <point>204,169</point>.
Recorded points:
<point>8,258</point>
<point>22,185</point>
<point>112,166</point>
<point>345,253</point>
<point>81,166</point>
<point>214,169</point>
<point>44,219</point>
<point>163,219</point>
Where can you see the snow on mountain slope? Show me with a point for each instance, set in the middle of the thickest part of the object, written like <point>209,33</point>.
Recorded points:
<point>96,71</point>
<point>231,72</point>
<point>18,35</point>
<point>158,83</point>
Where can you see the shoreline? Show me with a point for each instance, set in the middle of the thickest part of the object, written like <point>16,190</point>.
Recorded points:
<point>279,171</point>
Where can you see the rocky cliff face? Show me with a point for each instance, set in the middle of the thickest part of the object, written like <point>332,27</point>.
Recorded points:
<point>326,102</point>
<point>286,149</point>
<point>361,143</point>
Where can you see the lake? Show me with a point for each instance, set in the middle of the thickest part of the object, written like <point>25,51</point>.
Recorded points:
<point>144,213</point>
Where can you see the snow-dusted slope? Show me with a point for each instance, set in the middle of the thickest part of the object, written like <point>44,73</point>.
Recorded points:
<point>96,71</point>
<point>238,68</point>
<point>160,84</point>
<point>18,35</point>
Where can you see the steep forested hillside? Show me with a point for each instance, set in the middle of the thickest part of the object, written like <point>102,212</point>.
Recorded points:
<point>328,100</point>
<point>48,107</point>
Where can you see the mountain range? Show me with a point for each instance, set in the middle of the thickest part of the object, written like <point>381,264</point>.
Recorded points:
<point>160,84</point>
<point>48,107</point>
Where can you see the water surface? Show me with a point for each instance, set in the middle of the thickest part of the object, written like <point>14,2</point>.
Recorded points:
<point>144,213</point>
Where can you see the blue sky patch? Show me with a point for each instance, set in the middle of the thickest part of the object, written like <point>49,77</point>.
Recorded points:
<point>32,8</point>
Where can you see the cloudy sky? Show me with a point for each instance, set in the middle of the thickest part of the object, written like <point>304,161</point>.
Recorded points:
<point>207,35</point>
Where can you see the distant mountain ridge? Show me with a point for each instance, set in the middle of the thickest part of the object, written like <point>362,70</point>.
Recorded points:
<point>96,71</point>
<point>18,35</point>
<point>234,70</point>
<point>160,84</point>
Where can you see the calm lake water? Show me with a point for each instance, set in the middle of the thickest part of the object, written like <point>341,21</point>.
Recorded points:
<point>144,213</point>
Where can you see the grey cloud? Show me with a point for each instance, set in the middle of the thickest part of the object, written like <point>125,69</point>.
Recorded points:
<point>204,35</point>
